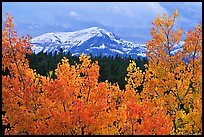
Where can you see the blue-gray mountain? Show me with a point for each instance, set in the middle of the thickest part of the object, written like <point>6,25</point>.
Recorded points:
<point>93,40</point>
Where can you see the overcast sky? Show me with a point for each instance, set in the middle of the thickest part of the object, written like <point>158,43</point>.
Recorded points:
<point>129,20</point>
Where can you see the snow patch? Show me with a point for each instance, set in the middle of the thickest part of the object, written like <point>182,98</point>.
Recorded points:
<point>115,50</point>
<point>101,47</point>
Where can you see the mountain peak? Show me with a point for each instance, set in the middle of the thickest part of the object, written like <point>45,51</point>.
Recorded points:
<point>94,28</point>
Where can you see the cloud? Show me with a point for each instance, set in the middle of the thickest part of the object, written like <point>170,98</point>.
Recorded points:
<point>117,14</point>
<point>125,18</point>
<point>121,14</point>
<point>74,14</point>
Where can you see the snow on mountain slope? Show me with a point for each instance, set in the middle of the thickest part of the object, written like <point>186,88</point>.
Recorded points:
<point>93,40</point>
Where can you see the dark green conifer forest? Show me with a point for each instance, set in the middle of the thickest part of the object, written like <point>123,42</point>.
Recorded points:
<point>113,69</point>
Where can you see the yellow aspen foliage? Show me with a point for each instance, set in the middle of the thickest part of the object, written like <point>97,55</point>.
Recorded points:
<point>175,78</point>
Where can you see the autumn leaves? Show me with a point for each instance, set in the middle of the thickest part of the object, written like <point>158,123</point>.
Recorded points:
<point>169,100</point>
<point>170,78</point>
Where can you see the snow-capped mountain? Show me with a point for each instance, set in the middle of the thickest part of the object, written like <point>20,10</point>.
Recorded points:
<point>93,40</point>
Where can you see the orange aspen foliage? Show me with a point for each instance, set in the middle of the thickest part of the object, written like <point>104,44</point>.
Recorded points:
<point>21,88</point>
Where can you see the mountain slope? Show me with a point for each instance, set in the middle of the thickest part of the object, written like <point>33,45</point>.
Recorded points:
<point>93,40</point>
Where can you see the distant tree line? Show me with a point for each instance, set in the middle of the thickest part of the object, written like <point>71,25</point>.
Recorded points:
<point>113,69</point>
